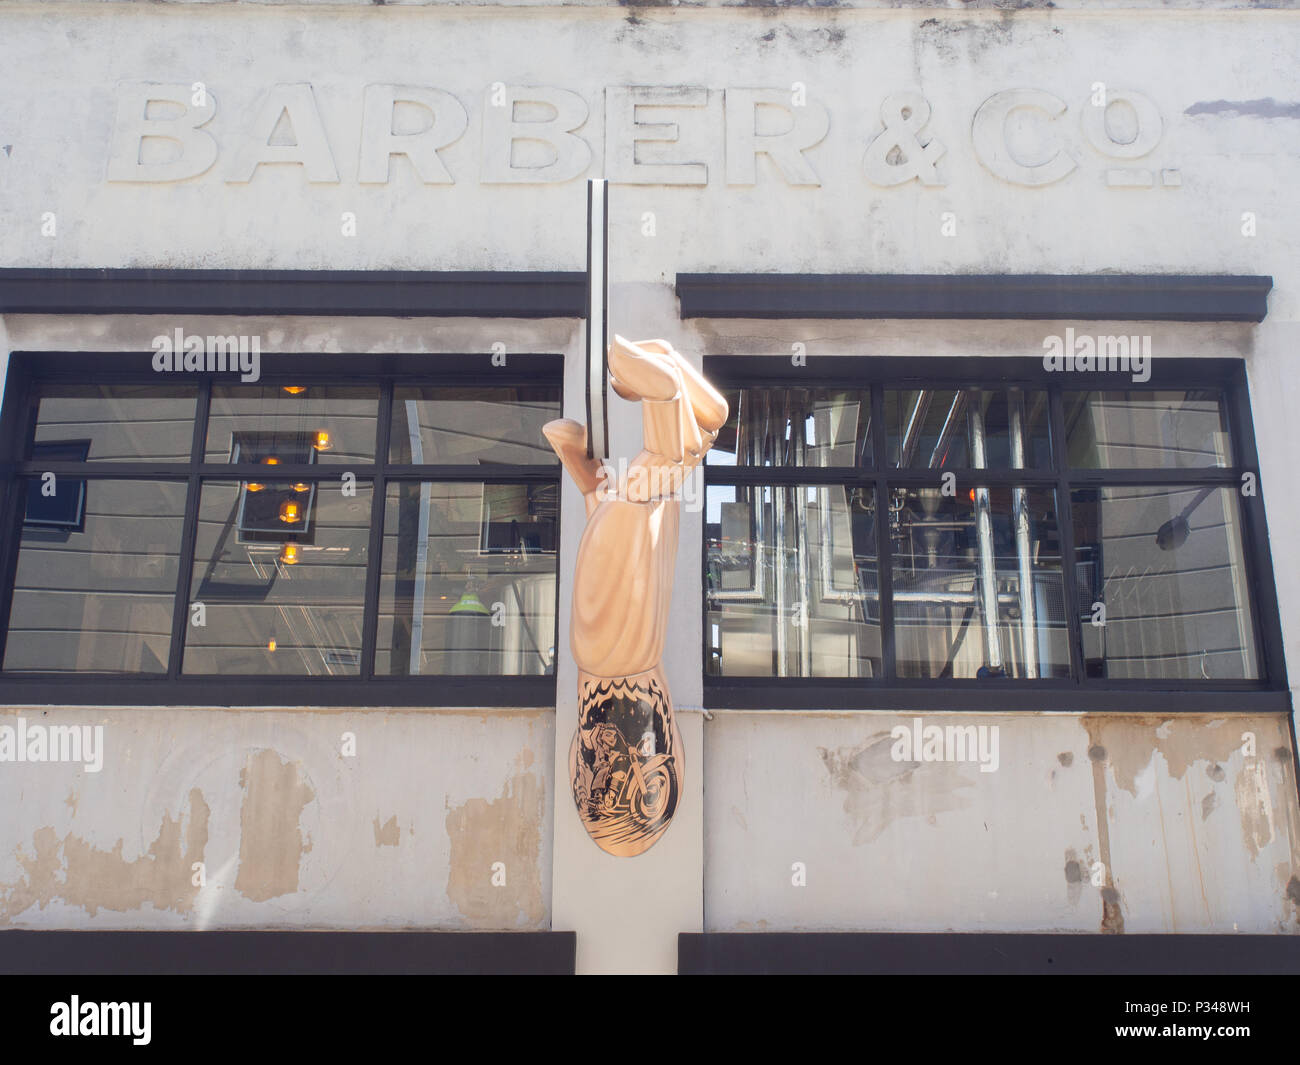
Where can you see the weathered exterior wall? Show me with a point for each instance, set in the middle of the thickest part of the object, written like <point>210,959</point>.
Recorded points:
<point>1198,835</point>
<point>1194,834</point>
<point>291,831</point>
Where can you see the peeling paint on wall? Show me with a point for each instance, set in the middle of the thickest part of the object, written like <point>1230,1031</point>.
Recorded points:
<point>508,830</point>
<point>271,844</point>
<point>1130,742</point>
<point>1102,824</point>
<point>80,874</point>
<point>387,835</point>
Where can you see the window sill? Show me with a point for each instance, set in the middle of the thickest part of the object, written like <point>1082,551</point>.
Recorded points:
<point>290,693</point>
<point>974,696</point>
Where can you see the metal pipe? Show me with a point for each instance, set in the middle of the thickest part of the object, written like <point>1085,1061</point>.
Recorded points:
<point>949,429</point>
<point>416,655</point>
<point>749,452</point>
<point>778,563</point>
<point>803,642</point>
<point>1020,520</point>
<point>984,539</point>
<point>912,434</point>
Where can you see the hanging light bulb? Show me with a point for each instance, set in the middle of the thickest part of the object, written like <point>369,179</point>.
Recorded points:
<point>289,511</point>
<point>289,554</point>
<point>254,486</point>
<point>271,460</point>
<point>301,486</point>
<point>295,390</point>
<point>270,644</point>
<point>322,441</point>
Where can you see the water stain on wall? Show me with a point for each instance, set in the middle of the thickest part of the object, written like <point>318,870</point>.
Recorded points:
<point>1127,744</point>
<point>878,790</point>
<point>507,830</point>
<point>271,843</point>
<point>1254,806</point>
<point>80,874</point>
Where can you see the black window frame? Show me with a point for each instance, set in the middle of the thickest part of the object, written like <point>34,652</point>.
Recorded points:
<point>28,370</point>
<point>1269,694</point>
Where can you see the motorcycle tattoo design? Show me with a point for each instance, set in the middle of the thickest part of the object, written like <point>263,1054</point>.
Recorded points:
<point>626,761</point>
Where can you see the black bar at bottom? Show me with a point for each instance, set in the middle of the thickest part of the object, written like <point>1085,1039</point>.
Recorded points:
<point>987,953</point>
<point>283,953</point>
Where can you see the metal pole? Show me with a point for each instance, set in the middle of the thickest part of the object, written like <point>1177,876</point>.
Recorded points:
<point>984,538</point>
<point>421,543</point>
<point>912,434</point>
<point>950,421</point>
<point>597,329</point>
<point>1020,519</point>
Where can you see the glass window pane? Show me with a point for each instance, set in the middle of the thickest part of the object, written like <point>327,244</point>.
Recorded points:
<point>977,584</point>
<point>1183,429</point>
<point>281,574</point>
<point>292,423</point>
<point>945,429</point>
<point>468,585</point>
<point>96,577</point>
<point>1166,564</point>
<point>454,426</point>
<point>792,581</point>
<point>795,427</point>
<point>114,423</point>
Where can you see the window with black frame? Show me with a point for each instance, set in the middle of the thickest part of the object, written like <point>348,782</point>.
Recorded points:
<point>306,527</point>
<point>906,533</point>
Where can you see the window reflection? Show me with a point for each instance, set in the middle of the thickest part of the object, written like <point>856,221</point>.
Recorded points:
<point>335,424</point>
<point>96,594</point>
<point>946,429</point>
<point>279,601</point>
<point>468,584</point>
<point>792,588</point>
<point>795,427</point>
<point>1182,429</point>
<point>446,426</point>
<point>1165,565</point>
<point>116,423</point>
<point>977,584</point>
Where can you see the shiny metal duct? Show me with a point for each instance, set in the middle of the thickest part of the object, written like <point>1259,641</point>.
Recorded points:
<point>984,538</point>
<point>1020,520</point>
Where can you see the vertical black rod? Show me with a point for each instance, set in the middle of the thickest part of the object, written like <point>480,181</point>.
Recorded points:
<point>1065,533</point>
<point>17,431</point>
<point>189,532</point>
<point>884,544</point>
<point>1256,554</point>
<point>597,309</point>
<point>375,548</point>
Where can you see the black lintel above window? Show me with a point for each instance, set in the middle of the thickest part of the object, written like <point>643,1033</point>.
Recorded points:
<point>1106,297</point>
<point>400,293</point>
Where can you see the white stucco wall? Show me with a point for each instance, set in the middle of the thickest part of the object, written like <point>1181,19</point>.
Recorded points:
<point>764,790</point>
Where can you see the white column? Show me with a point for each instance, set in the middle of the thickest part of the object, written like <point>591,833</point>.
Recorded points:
<point>627,912</point>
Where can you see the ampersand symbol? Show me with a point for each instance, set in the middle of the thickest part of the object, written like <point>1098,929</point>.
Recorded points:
<point>898,154</point>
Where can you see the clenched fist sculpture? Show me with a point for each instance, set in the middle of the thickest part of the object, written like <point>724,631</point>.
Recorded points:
<point>626,762</point>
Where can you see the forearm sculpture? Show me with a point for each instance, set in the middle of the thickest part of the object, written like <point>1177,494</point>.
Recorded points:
<point>626,762</point>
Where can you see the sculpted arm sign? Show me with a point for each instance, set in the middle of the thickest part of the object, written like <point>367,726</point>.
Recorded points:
<point>626,762</point>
